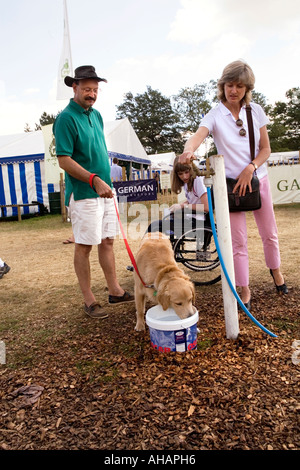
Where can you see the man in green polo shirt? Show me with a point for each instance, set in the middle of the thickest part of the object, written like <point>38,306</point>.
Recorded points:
<point>82,153</point>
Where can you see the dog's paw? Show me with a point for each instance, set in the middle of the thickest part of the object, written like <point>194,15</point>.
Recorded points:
<point>140,326</point>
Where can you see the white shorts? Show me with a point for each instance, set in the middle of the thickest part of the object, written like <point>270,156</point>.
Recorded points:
<point>93,219</point>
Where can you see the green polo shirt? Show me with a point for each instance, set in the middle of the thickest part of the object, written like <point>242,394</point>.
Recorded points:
<point>79,135</point>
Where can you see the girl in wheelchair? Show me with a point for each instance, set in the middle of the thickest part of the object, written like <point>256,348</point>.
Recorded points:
<point>190,214</point>
<point>186,176</point>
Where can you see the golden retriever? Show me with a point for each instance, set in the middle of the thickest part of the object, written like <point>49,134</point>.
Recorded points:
<point>172,288</point>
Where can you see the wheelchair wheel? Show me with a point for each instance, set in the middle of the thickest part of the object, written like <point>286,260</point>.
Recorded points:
<point>196,251</point>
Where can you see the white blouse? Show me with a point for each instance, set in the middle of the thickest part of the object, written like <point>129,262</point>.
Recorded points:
<point>194,196</point>
<point>235,148</point>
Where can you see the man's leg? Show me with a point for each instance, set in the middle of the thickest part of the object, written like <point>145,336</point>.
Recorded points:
<point>82,269</point>
<point>107,263</point>
<point>107,257</point>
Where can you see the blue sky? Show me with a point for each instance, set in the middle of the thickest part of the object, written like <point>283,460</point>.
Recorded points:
<point>167,44</point>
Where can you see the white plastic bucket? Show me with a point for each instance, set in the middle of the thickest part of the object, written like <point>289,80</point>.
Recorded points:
<point>170,333</point>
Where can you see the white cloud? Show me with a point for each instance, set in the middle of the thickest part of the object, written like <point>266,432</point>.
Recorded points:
<point>199,21</point>
<point>32,91</point>
<point>15,113</point>
<point>264,33</point>
<point>196,22</point>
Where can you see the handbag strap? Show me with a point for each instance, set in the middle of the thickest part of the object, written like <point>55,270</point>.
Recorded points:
<point>251,131</point>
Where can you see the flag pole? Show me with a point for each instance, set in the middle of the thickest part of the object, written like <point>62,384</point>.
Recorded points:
<point>65,64</point>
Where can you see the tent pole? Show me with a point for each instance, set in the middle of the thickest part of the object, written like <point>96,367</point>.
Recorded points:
<point>62,198</point>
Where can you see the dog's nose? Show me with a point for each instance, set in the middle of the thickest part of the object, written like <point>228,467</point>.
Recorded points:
<point>194,310</point>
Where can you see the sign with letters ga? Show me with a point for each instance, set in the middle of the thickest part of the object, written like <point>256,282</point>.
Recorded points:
<point>138,190</point>
<point>285,183</point>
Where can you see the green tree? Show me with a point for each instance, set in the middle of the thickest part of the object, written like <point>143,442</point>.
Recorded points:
<point>153,119</point>
<point>260,99</point>
<point>293,118</point>
<point>284,130</point>
<point>43,121</point>
<point>191,103</point>
<point>27,128</point>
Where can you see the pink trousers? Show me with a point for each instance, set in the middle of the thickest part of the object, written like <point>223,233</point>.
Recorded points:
<point>265,221</point>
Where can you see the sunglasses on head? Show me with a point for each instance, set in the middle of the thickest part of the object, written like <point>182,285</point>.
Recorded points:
<point>242,131</point>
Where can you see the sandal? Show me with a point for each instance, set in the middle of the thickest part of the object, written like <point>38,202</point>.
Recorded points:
<point>69,240</point>
<point>116,299</point>
<point>95,311</point>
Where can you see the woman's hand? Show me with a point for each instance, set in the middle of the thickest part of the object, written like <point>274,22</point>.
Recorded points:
<point>244,180</point>
<point>186,157</point>
<point>192,144</point>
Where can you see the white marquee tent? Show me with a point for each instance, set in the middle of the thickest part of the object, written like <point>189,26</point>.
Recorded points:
<point>162,161</point>
<point>122,142</point>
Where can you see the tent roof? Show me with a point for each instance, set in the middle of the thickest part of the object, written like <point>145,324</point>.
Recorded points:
<point>283,155</point>
<point>20,148</point>
<point>162,161</point>
<point>123,143</point>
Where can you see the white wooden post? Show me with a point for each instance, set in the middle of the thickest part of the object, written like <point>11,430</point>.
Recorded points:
<point>224,238</point>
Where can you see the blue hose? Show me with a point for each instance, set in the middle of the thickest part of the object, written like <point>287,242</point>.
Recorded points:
<point>212,222</point>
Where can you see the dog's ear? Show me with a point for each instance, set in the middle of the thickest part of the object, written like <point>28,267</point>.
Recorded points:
<point>163,298</point>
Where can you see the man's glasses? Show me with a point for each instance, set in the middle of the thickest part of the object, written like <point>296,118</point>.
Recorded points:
<point>239,123</point>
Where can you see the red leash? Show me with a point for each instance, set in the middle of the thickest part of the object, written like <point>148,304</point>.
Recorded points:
<point>128,247</point>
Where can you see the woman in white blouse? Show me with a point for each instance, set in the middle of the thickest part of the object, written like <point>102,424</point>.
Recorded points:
<point>227,123</point>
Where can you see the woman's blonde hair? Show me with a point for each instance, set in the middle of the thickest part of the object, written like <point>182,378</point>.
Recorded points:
<point>176,183</point>
<point>237,71</point>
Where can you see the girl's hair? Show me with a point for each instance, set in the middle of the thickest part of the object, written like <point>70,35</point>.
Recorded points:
<point>237,71</point>
<point>176,183</point>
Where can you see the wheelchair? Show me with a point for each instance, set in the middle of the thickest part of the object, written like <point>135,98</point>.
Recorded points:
<point>193,245</point>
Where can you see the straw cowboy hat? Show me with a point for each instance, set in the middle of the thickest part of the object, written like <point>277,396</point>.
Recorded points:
<point>83,73</point>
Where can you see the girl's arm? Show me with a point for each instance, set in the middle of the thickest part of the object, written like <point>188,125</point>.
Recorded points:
<point>200,207</point>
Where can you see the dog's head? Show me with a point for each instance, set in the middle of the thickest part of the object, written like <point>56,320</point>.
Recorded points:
<point>179,295</point>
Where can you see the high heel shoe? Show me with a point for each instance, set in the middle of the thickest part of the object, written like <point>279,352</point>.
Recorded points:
<point>246,304</point>
<point>280,289</point>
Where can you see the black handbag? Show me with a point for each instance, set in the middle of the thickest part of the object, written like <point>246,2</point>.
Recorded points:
<point>251,201</point>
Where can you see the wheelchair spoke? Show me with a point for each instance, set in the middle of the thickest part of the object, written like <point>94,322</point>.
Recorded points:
<point>196,251</point>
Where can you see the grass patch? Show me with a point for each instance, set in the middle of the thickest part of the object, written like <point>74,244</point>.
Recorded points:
<point>20,359</point>
<point>9,324</point>
<point>45,222</point>
<point>204,344</point>
<point>95,370</point>
<point>285,324</point>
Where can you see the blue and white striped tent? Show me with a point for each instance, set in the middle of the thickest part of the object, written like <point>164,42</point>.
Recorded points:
<point>22,172</point>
